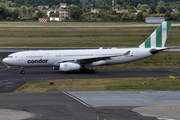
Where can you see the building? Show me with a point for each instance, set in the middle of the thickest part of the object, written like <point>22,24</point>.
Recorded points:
<point>175,10</point>
<point>40,7</point>
<point>155,19</point>
<point>49,11</point>
<point>63,11</point>
<point>122,11</point>
<point>42,20</point>
<point>93,11</point>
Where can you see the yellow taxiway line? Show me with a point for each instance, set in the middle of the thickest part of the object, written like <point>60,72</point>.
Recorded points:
<point>160,102</point>
<point>8,67</point>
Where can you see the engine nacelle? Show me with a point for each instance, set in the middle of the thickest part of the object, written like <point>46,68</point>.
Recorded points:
<point>68,66</point>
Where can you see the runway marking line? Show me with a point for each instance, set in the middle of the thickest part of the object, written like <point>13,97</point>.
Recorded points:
<point>8,67</point>
<point>76,99</point>
<point>174,71</point>
<point>160,102</point>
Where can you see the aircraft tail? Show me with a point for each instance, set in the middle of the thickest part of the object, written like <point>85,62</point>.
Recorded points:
<point>158,38</point>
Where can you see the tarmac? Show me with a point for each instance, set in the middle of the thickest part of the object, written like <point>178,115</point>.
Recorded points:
<point>159,104</point>
<point>59,106</point>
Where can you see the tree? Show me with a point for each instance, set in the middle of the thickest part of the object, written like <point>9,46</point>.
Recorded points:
<point>89,7</point>
<point>2,7</point>
<point>125,6</point>
<point>75,13</point>
<point>16,2</point>
<point>149,11</point>
<point>139,6</point>
<point>143,10</point>
<point>15,14</point>
<point>23,10</point>
<point>178,15</point>
<point>112,12</point>
<point>139,16</point>
<point>124,16</point>
<point>131,9</point>
<point>167,14</point>
<point>173,16</point>
<point>40,14</point>
<point>178,7</point>
<point>103,14</point>
<point>84,8</point>
<point>160,3</point>
<point>34,16</point>
<point>43,8</point>
<point>117,6</point>
<point>153,7</point>
<point>50,5</point>
<point>160,9</point>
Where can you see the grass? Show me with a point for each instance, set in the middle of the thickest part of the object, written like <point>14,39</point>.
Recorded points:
<point>105,84</point>
<point>70,23</point>
<point>81,37</point>
<point>75,23</point>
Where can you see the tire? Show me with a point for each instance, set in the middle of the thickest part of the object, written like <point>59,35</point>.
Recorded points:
<point>22,72</point>
<point>92,71</point>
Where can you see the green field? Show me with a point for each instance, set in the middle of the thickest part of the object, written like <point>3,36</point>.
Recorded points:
<point>81,37</point>
<point>70,23</point>
<point>104,84</point>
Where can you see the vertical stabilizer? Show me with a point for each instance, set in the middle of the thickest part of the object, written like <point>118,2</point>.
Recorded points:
<point>158,37</point>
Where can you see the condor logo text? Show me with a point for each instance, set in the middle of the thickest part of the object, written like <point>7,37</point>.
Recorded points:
<point>36,61</point>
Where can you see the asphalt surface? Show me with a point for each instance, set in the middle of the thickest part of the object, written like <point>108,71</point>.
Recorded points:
<point>56,106</point>
<point>160,104</point>
<point>59,106</point>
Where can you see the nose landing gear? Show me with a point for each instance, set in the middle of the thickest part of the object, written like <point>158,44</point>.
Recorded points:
<point>22,70</point>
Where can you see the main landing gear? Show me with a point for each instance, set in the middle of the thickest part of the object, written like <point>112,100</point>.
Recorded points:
<point>87,70</point>
<point>22,70</point>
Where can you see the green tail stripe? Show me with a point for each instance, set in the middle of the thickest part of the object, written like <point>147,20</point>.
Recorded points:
<point>148,42</point>
<point>159,36</point>
<point>168,26</point>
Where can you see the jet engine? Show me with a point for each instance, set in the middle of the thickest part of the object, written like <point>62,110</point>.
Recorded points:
<point>68,66</point>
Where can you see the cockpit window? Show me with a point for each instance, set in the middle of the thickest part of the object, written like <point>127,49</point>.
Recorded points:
<point>10,56</point>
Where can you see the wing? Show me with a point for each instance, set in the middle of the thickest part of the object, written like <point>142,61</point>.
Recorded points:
<point>93,59</point>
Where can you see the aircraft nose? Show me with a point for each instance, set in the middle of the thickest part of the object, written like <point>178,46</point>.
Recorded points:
<point>4,60</point>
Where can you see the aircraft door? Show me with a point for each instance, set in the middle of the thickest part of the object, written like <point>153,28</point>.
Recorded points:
<point>20,57</point>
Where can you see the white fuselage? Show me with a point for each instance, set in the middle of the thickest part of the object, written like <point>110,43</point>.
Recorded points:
<point>54,57</point>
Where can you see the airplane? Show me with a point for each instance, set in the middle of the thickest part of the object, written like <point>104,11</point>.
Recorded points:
<point>83,59</point>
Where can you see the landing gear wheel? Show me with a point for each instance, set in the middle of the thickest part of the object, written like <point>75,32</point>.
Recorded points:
<point>22,72</point>
<point>92,71</point>
<point>84,70</point>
